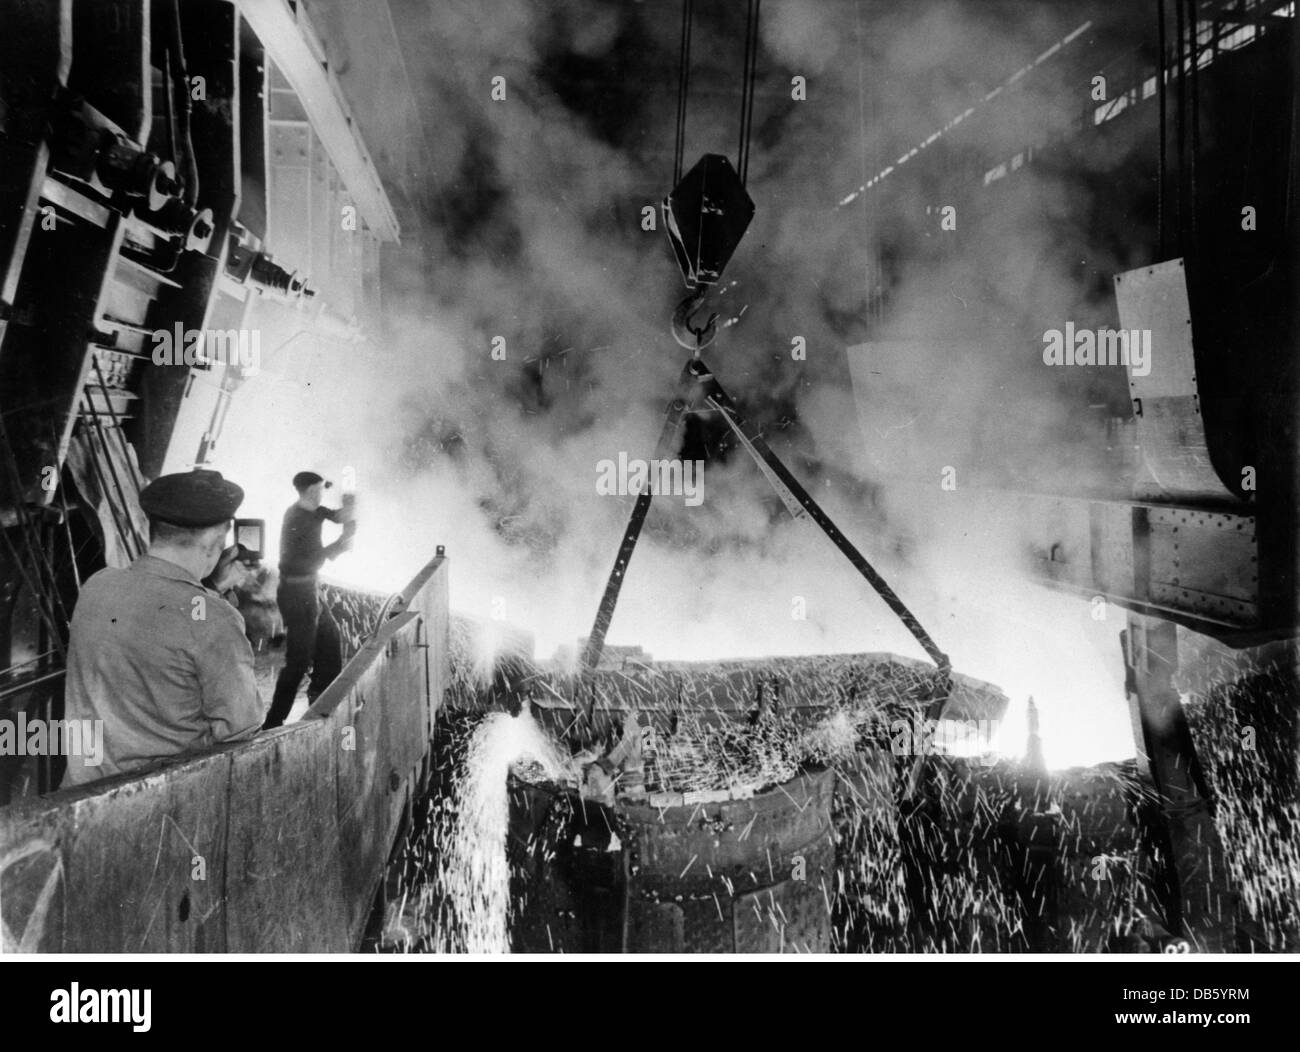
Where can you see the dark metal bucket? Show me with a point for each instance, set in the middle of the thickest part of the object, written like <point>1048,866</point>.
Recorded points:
<point>732,876</point>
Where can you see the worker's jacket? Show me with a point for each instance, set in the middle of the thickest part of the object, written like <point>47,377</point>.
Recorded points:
<point>162,661</point>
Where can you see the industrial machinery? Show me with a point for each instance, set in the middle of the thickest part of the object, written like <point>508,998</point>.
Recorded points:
<point>612,875</point>
<point>154,153</point>
<point>186,202</point>
<point>1201,549</point>
<point>706,216</point>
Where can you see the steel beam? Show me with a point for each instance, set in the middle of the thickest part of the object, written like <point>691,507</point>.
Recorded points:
<point>665,448</point>
<point>293,46</point>
<point>1202,906</point>
<point>1195,566</point>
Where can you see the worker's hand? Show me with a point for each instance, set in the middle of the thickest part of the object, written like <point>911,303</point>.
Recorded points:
<point>229,572</point>
<point>348,508</point>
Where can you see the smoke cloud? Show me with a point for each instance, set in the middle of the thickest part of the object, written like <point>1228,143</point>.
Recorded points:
<point>528,232</point>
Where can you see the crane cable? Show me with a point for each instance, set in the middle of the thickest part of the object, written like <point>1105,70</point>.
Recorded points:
<point>746,94</point>
<point>1194,92</point>
<point>747,91</point>
<point>683,86</point>
<point>1162,118</point>
<point>1180,124</point>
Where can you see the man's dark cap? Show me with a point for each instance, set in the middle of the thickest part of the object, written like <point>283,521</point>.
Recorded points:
<point>307,478</point>
<point>195,499</point>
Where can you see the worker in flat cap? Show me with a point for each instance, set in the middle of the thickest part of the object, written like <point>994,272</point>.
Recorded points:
<point>156,655</point>
<point>312,641</point>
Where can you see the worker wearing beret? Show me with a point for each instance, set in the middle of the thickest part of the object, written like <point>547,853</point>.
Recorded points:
<point>158,657</point>
<point>312,635</point>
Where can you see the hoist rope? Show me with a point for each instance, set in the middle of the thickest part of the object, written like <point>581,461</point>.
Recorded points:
<point>747,90</point>
<point>683,86</point>
<point>1163,109</point>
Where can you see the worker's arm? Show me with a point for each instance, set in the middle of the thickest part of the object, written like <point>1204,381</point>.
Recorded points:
<point>229,573</point>
<point>228,688</point>
<point>348,520</point>
<point>343,544</point>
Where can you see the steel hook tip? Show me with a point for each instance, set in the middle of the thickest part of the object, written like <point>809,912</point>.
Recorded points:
<point>693,338</point>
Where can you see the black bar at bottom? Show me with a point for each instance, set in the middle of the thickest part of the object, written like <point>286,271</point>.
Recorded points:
<point>1012,1002</point>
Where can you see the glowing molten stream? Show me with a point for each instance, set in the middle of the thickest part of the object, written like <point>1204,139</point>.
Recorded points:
<point>477,874</point>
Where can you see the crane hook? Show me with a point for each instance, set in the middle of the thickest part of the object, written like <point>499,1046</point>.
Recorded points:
<point>693,338</point>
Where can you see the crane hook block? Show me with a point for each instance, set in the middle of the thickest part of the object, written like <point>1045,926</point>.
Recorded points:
<point>706,215</point>
<point>693,337</point>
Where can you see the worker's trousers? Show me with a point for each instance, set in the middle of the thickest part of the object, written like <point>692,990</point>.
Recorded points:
<point>313,643</point>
